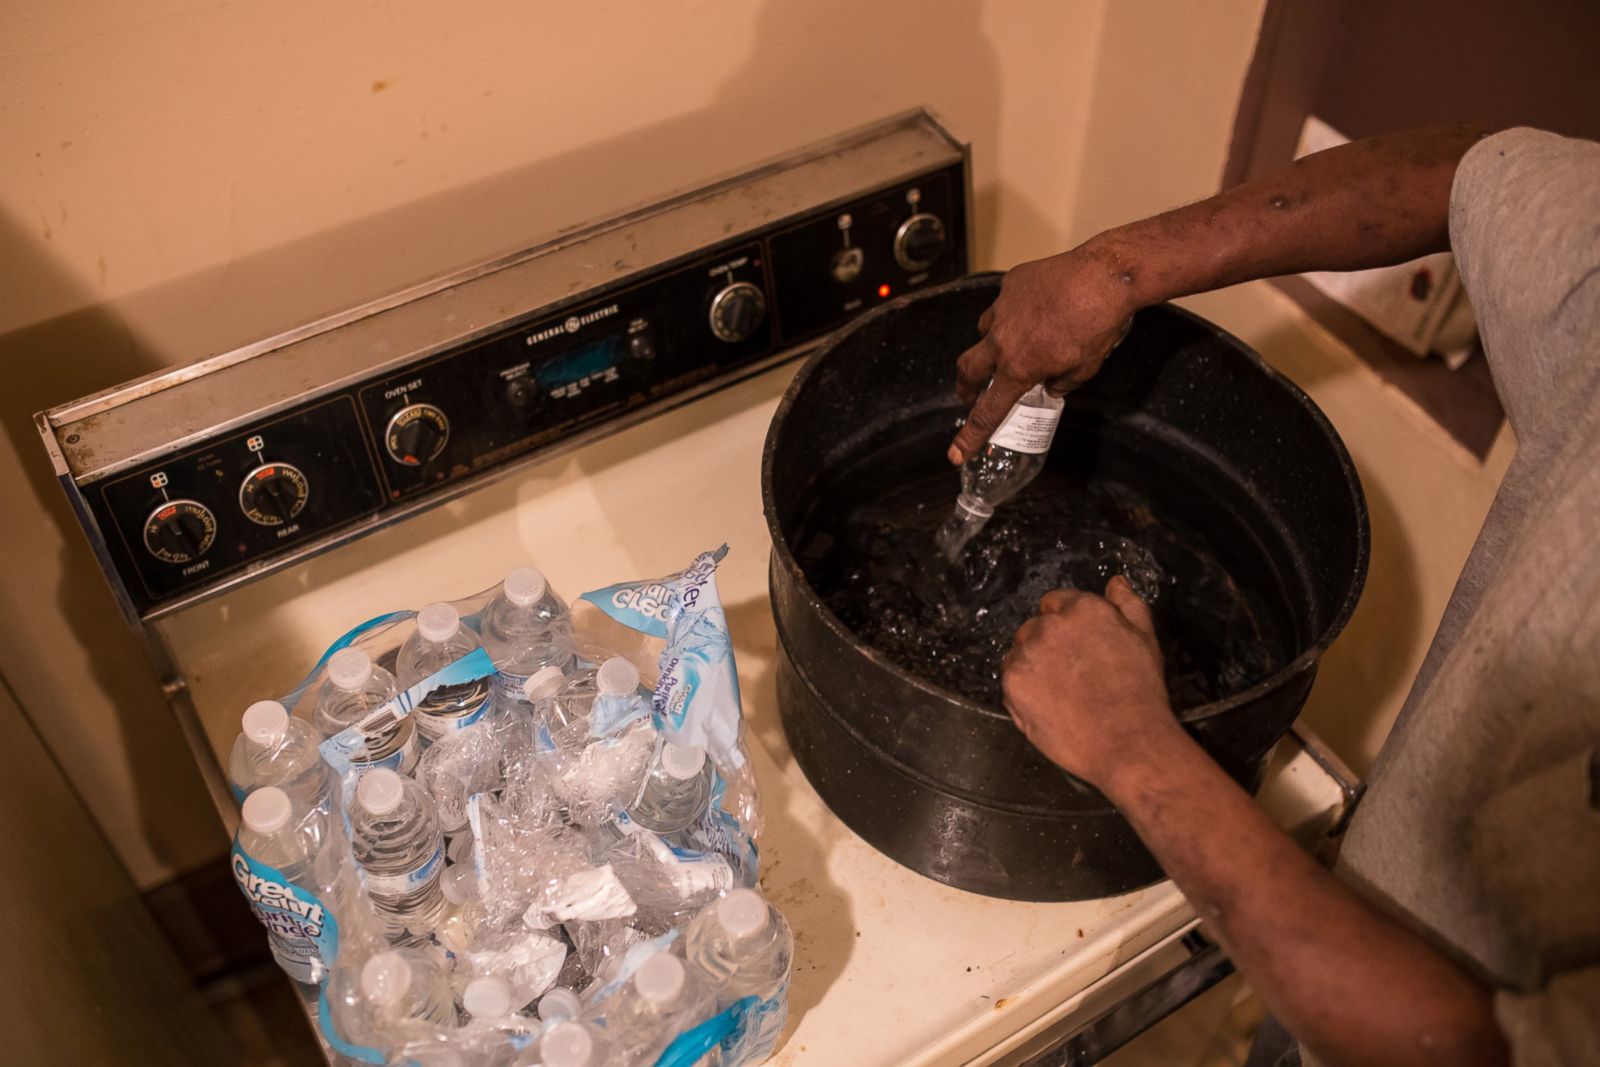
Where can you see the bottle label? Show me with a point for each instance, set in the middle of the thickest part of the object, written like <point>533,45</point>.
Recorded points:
<point>1028,429</point>
<point>435,726</point>
<point>508,688</point>
<point>399,885</point>
<point>401,761</point>
<point>300,925</point>
<point>692,873</point>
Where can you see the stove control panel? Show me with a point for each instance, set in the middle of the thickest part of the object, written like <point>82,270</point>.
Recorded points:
<point>472,408</point>
<point>435,390</point>
<point>218,507</point>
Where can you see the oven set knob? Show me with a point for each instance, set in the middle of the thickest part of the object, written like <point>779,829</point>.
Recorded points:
<point>180,531</point>
<point>416,434</point>
<point>737,311</point>
<point>273,493</point>
<point>919,242</point>
<point>522,393</point>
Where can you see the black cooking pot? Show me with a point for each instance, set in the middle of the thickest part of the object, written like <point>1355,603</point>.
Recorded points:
<point>947,786</point>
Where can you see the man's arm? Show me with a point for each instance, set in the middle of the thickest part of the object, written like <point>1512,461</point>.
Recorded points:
<point>1083,680</point>
<point>1366,204</point>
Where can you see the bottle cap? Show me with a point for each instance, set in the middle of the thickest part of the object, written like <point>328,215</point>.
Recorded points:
<point>349,668</point>
<point>459,884</point>
<point>380,791</point>
<point>559,1005</point>
<point>617,677</point>
<point>566,1044</point>
<point>487,998</point>
<point>384,977</point>
<point>267,810</point>
<point>682,761</point>
<point>659,979</point>
<point>459,850</point>
<point>438,622</point>
<point>742,913</point>
<point>544,683</point>
<point>525,586</point>
<point>265,722</point>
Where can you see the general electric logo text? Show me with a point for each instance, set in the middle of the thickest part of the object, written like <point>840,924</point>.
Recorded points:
<point>573,324</point>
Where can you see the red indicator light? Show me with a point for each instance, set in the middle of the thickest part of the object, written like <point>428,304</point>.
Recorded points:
<point>883,292</point>
<point>167,513</point>
<point>265,473</point>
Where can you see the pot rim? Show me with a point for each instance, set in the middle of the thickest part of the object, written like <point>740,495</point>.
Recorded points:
<point>1305,661</point>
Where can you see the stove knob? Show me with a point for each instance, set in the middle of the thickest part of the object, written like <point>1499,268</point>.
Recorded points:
<point>273,493</point>
<point>416,434</point>
<point>522,393</point>
<point>737,311</point>
<point>180,531</point>
<point>919,242</point>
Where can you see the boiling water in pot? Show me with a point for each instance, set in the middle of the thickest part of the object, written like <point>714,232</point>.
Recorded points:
<point>1106,505</point>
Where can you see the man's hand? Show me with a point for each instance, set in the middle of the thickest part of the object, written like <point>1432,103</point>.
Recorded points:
<point>1366,204</point>
<point>1054,321</point>
<point>1083,680</point>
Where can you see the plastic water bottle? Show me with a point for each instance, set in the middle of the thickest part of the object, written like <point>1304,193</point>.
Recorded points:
<point>458,765</point>
<point>676,791</point>
<point>463,911</point>
<point>291,874</point>
<point>1000,469</point>
<point>355,688</point>
<point>661,998</point>
<point>571,1043</point>
<point>559,1005</point>
<point>395,838</point>
<point>571,712</point>
<point>524,628</point>
<point>488,1002</point>
<point>439,641</point>
<point>391,996</point>
<point>540,691</point>
<point>274,748</point>
<point>409,983</point>
<point>742,947</point>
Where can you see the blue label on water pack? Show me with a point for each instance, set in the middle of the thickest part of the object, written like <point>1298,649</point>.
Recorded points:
<point>690,1046</point>
<point>299,924</point>
<point>641,606</point>
<point>758,1030</point>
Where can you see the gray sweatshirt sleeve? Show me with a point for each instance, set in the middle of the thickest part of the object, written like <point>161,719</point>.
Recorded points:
<point>1525,228</point>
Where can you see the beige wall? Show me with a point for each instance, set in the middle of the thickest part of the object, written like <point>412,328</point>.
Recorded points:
<point>181,177</point>
<point>185,178</point>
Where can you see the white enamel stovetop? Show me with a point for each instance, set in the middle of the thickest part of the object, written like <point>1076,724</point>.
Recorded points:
<point>891,968</point>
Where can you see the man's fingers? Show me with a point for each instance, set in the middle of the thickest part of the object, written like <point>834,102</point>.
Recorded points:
<point>1061,384</point>
<point>986,320</point>
<point>1024,634</point>
<point>1136,611</point>
<point>1059,600</point>
<point>987,415</point>
<point>974,369</point>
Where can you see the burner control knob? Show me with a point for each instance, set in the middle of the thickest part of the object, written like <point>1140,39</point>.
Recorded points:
<point>919,242</point>
<point>180,531</point>
<point>737,311</point>
<point>416,434</point>
<point>273,493</point>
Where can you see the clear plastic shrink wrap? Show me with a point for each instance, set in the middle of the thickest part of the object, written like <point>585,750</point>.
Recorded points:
<point>540,850</point>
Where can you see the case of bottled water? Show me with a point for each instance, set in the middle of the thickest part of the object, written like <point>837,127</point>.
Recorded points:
<point>502,831</point>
